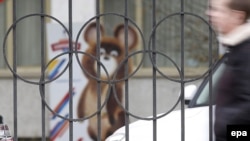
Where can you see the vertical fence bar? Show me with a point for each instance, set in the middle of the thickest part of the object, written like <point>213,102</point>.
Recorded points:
<point>154,71</point>
<point>210,73</point>
<point>43,58</point>
<point>99,104</point>
<point>70,71</point>
<point>14,69</point>
<point>210,82</point>
<point>182,73</point>
<point>126,72</point>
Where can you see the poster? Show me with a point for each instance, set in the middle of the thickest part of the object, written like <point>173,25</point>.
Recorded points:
<point>59,88</point>
<point>85,87</point>
<point>57,41</point>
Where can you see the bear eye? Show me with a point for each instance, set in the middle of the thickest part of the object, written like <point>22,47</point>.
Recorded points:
<point>114,53</point>
<point>102,51</point>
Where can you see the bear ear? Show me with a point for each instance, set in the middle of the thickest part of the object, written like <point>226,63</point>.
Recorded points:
<point>119,33</point>
<point>90,34</point>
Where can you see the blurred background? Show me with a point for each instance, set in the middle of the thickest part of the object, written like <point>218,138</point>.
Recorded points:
<point>165,20</point>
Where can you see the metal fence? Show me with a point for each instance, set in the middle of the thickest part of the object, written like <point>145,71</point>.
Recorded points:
<point>149,51</point>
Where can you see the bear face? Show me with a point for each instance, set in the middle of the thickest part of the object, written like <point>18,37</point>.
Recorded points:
<point>111,52</point>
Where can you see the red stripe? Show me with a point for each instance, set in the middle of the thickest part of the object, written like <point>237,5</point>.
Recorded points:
<point>65,124</point>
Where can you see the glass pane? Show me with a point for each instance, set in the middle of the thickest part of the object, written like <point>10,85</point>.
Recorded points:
<point>116,6</point>
<point>169,33</point>
<point>2,30</point>
<point>28,33</point>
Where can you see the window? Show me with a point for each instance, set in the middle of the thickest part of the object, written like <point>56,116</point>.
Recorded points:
<point>168,33</point>
<point>28,35</point>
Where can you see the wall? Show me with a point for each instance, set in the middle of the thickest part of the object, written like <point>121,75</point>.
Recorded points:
<point>29,102</point>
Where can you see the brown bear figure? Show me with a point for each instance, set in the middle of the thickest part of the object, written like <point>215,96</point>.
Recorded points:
<point>112,53</point>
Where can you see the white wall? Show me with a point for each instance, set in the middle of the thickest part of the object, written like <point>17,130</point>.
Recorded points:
<point>81,10</point>
<point>29,102</point>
